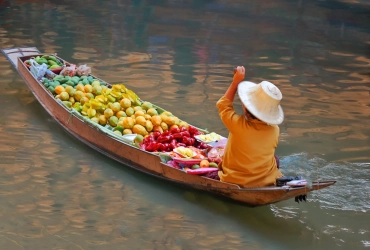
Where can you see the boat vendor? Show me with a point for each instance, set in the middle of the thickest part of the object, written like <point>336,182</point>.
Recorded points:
<point>249,159</point>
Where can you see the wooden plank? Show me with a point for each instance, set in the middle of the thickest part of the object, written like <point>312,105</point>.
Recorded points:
<point>12,54</point>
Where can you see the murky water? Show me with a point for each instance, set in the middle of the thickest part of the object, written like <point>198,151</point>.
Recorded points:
<point>57,193</point>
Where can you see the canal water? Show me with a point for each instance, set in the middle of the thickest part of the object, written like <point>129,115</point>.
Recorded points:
<point>57,193</point>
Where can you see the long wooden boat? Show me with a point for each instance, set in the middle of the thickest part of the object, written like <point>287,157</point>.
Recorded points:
<point>147,162</point>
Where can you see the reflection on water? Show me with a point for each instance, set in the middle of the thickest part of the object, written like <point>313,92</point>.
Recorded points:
<point>57,193</point>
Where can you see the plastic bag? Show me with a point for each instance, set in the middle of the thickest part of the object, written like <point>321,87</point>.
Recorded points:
<point>83,70</point>
<point>37,70</point>
<point>217,151</point>
<point>68,70</point>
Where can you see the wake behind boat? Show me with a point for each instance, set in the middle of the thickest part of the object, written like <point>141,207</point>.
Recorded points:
<point>135,133</point>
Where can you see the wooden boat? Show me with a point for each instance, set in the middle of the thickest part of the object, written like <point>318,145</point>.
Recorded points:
<point>129,155</point>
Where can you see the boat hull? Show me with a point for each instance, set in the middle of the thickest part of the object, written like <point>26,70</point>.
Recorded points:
<point>147,162</point>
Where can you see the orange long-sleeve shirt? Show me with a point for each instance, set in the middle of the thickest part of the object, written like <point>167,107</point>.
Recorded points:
<point>249,154</point>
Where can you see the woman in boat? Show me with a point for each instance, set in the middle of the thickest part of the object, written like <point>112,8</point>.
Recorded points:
<point>249,159</point>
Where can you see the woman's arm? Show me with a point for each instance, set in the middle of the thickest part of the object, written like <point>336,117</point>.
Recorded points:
<point>238,77</point>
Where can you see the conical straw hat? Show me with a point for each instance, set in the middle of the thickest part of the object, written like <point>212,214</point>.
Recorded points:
<point>262,100</point>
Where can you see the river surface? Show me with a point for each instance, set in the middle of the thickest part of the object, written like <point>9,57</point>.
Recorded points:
<point>57,193</point>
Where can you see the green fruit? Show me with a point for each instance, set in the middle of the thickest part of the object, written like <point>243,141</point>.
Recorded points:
<point>63,80</point>
<point>213,165</point>
<point>75,79</point>
<point>146,105</point>
<point>51,89</point>
<point>113,120</point>
<point>85,81</point>
<point>68,104</point>
<point>95,119</point>
<point>54,66</point>
<point>70,83</point>
<point>51,62</point>
<point>119,128</point>
<point>117,132</point>
<point>77,106</point>
<point>196,166</point>
<point>138,139</point>
<point>52,58</point>
<point>58,77</point>
<point>55,83</point>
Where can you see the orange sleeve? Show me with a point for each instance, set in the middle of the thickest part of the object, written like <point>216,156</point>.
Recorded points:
<point>227,113</point>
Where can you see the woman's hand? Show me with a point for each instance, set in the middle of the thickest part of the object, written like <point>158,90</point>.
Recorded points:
<point>239,74</point>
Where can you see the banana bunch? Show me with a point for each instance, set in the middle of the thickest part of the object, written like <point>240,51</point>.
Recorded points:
<point>187,152</point>
<point>210,137</point>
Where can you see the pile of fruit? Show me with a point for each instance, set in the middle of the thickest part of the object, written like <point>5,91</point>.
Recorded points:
<point>122,110</point>
<point>51,61</point>
<point>175,137</point>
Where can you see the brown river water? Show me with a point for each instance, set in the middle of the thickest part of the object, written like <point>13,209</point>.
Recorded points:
<point>57,193</point>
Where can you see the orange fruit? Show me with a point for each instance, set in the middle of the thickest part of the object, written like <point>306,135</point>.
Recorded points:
<point>127,131</point>
<point>136,108</point>
<point>115,107</point>
<point>84,100</point>
<point>64,96</point>
<point>141,120</point>
<point>125,103</point>
<point>130,111</point>
<point>102,120</point>
<point>139,113</point>
<point>70,90</point>
<point>148,126</point>
<point>108,113</point>
<point>164,126</point>
<point>139,129</point>
<point>204,164</point>
<point>183,124</point>
<point>89,95</point>
<point>158,128</point>
<point>173,126</point>
<point>156,120</point>
<point>152,111</point>
<point>78,95</point>
<point>96,90</point>
<point>80,87</point>
<point>121,113</point>
<point>59,89</point>
<point>88,88</point>
<point>72,100</point>
<point>128,122</point>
